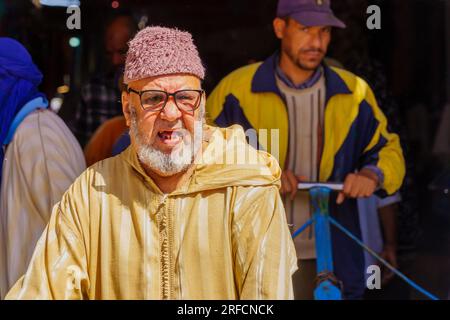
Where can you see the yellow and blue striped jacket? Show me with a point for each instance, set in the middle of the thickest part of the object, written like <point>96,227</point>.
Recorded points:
<point>356,133</point>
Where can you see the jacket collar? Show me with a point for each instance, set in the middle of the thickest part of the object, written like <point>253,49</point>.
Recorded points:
<point>334,83</point>
<point>264,79</point>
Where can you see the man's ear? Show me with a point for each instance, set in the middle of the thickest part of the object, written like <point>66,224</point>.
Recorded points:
<point>278,27</point>
<point>126,107</point>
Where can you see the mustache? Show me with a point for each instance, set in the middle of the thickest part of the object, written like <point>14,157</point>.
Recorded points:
<point>175,127</point>
<point>181,132</point>
<point>312,50</point>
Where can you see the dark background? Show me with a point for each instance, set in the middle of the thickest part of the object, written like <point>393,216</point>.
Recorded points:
<point>408,58</point>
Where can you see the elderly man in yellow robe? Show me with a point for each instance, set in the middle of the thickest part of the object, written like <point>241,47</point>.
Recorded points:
<point>168,218</point>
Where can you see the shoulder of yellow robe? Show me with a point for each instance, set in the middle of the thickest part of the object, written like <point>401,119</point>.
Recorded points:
<point>226,160</point>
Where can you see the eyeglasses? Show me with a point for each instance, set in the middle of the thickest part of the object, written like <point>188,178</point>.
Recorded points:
<point>155,100</point>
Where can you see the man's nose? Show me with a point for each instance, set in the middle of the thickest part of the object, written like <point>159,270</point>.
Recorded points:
<point>170,111</point>
<point>316,41</point>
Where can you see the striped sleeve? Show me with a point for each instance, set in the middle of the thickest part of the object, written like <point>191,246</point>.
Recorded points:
<point>384,149</point>
<point>44,159</point>
<point>264,252</point>
<point>51,159</point>
<point>58,268</point>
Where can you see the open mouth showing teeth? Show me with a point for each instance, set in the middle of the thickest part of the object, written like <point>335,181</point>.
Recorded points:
<point>169,135</point>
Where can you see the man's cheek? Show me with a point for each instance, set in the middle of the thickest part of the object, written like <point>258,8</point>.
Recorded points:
<point>148,135</point>
<point>189,122</point>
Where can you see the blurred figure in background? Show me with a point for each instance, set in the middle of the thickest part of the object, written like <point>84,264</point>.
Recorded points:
<point>397,232</point>
<point>441,145</point>
<point>378,221</point>
<point>105,137</point>
<point>39,160</point>
<point>100,98</point>
<point>101,145</point>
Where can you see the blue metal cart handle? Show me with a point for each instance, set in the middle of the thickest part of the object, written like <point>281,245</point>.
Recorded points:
<point>328,286</point>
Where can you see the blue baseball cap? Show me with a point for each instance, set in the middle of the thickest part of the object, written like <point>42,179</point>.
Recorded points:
<point>309,13</point>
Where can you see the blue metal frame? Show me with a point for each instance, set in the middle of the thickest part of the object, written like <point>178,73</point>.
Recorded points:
<point>328,286</point>
<point>325,290</point>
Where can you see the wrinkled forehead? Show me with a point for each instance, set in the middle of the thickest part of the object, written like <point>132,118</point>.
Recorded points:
<point>169,83</point>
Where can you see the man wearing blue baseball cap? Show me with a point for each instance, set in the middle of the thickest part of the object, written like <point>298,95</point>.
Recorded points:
<point>330,129</point>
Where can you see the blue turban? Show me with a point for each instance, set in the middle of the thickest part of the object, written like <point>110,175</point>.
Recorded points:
<point>19,81</point>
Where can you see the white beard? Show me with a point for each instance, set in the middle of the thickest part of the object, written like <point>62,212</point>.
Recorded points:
<point>166,164</point>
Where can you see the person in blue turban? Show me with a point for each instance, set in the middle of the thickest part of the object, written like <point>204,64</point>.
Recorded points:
<point>19,81</point>
<point>39,159</point>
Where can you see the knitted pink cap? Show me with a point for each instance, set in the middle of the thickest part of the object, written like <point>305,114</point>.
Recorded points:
<point>156,51</point>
